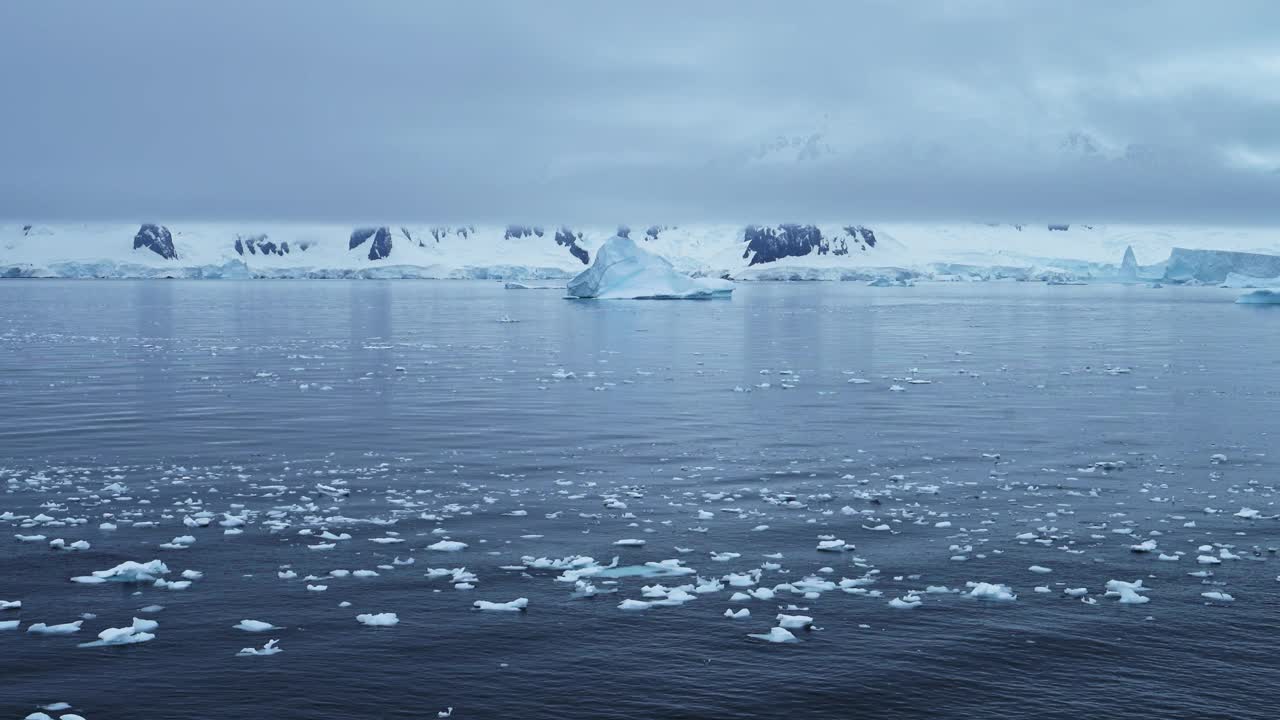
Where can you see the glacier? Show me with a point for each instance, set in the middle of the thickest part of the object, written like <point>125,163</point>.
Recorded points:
<point>622,270</point>
<point>866,252</point>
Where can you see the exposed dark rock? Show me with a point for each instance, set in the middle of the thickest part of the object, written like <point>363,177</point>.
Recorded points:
<point>405,231</point>
<point>623,231</point>
<point>26,229</point>
<point>157,239</point>
<point>381,245</point>
<point>1060,228</point>
<point>865,233</point>
<point>519,231</point>
<point>653,231</point>
<point>567,238</point>
<point>255,244</point>
<point>359,235</point>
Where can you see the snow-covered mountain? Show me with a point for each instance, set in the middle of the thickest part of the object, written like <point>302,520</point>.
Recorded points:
<point>853,251</point>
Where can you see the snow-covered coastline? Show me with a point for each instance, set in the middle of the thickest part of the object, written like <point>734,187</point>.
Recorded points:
<point>894,252</point>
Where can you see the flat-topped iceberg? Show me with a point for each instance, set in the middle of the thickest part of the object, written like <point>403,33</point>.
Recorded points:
<point>1260,297</point>
<point>623,270</point>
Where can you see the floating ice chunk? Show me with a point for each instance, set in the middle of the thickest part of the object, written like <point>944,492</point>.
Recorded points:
<point>126,572</point>
<point>1040,569</point>
<point>60,544</point>
<point>833,546</point>
<point>1248,513</point>
<point>629,542</point>
<point>139,632</point>
<point>10,604</point>
<point>181,542</point>
<point>1217,596</point>
<point>741,614</point>
<point>630,604</point>
<point>30,538</point>
<point>906,602</point>
<point>990,591</point>
<point>378,619</point>
<point>623,270</point>
<point>1260,297</point>
<point>517,605</point>
<point>447,546</point>
<point>794,622</point>
<point>1208,560</point>
<point>63,629</point>
<point>254,626</point>
<point>271,648</point>
<point>775,635</point>
<point>1145,546</point>
<point>1075,592</point>
<point>9,624</point>
<point>1127,592</point>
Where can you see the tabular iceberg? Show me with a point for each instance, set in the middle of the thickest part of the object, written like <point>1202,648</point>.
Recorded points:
<point>1260,297</point>
<point>622,270</point>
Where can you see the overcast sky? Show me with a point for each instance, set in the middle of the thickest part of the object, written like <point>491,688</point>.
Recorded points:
<point>546,111</point>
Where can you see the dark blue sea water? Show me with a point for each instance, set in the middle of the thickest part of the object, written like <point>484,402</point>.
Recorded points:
<point>1059,427</point>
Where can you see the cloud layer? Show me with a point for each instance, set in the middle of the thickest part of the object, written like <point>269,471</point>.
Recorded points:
<point>999,110</point>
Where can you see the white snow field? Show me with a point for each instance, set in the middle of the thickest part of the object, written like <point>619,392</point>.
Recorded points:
<point>880,252</point>
<point>623,270</point>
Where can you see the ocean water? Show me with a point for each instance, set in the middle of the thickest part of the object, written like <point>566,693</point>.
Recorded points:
<point>1034,426</point>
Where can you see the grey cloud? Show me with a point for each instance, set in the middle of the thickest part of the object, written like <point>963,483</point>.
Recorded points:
<point>657,112</point>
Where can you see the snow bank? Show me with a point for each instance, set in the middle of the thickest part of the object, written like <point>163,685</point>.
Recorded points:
<point>622,270</point>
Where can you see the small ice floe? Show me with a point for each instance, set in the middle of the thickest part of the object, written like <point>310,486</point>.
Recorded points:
<point>317,588</point>
<point>333,492</point>
<point>447,712</point>
<point>629,542</point>
<point>60,544</point>
<point>630,604</point>
<point>858,381</point>
<point>833,545</point>
<point>10,604</point>
<point>1127,592</point>
<point>1145,546</point>
<point>378,619</point>
<point>1075,592</point>
<point>1208,560</point>
<point>63,629</point>
<point>139,632</point>
<point>563,374</point>
<point>254,626</point>
<point>1217,596</point>
<point>126,572</point>
<point>1042,570</point>
<point>30,538</point>
<point>896,388</point>
<point>182,542</point>
<point>517,605</point>
<point>386,540</point>
<point>990,591</point>
<point>1217,458</point>
<point>9,624</point>
<point>742,614</point>
<point>775,635</point>
<point>1248,513</point>
<point>795,622</point>
<point>271,648</point>
<point>448,546</point>
<point>910,601</point>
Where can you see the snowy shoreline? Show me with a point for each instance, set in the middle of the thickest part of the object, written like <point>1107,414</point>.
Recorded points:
<point>883,254</point>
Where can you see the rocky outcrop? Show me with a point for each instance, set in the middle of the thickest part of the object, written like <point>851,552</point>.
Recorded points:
<point>259,244</point>
<point>519,231</point>
<point>566,238</point>
<point>157,239</point>
<point>769,244</point>
<point>379,248</point>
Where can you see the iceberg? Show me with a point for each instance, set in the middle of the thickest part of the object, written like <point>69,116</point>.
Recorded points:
<point>1260,297</point>
<point>622,270</point>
